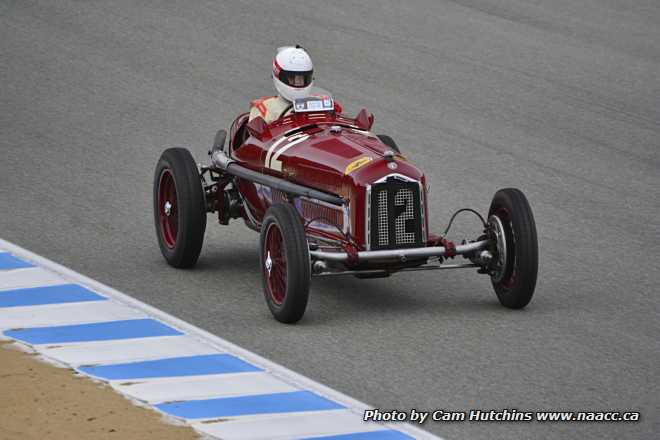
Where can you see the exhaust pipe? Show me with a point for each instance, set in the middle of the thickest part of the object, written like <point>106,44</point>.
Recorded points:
<point>221,162</point>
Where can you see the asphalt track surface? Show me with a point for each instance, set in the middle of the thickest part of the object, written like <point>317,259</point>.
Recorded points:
<point>559,98</point>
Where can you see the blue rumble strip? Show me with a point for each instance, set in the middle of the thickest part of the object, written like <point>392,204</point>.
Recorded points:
<point>219,389</point>
<point>172,367</point>
<point>101,331</point>
<point>37,296</point>
<point>8,261</point>
<point>371,435</point>
<point>249,405</point>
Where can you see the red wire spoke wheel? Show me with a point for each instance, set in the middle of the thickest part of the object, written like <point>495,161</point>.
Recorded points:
<point>275,264</point>
<point>179,208</point>
<point>515,265</point>
<point>285,263</point>
<point>167,208</point>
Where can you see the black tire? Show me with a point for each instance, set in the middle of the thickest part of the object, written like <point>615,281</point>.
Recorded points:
<point>288,301</point>
<point>515,282</point>
<point>389,142</point>
<point>181,232</point>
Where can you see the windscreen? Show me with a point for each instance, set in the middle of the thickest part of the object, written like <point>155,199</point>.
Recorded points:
<point>319,100</point>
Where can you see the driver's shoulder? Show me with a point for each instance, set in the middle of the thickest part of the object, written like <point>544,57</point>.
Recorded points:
<point>261,100</point>
<point>269,100</point>
<point>267,104</point>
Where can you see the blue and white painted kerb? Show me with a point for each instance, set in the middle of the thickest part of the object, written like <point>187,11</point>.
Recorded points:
<point>220,389</point>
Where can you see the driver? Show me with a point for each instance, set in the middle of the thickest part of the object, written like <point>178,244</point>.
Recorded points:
<point>293,79</point>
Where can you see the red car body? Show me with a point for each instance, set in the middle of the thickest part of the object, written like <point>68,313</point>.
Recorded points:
<point>327,152</point>
<point>329,197</point>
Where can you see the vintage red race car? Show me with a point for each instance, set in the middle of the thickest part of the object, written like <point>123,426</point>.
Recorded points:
<point>328,197</point>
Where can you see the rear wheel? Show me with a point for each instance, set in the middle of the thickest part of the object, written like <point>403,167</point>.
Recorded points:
<point>285,263</point>
<point>179,208</point>
<point>515,266</point>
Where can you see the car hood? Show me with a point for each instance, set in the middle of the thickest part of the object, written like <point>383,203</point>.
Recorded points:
<point>330,161</point>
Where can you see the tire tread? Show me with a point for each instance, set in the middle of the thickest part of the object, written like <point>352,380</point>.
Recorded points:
<point>522,219</point>
<point>298,268</point>
<point>191,204</point>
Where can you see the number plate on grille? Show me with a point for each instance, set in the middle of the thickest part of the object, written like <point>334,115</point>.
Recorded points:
<point>395,215</point>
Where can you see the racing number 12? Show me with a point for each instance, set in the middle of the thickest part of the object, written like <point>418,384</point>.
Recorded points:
<point>404,214</point>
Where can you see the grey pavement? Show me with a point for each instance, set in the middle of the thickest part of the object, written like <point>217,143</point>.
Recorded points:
<point>559,98</point>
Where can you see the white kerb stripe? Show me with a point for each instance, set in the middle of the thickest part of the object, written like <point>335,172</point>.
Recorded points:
<point>202,387</point>
<point>198,342</point>
<point>63,314</point>
<point>128,350</point>
<point>289,426</point>
<point>28,277</point>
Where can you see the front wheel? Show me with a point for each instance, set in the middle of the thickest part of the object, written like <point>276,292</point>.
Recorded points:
<point>513,230</point>
<point>179,208</point>
<point>285,263</point>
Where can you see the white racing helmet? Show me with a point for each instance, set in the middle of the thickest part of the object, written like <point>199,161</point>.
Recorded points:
<point>292,72</point>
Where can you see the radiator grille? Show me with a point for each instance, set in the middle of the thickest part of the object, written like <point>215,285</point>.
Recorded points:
<point>381,213</point>
<point>312,211</point>
<point>396,219</point>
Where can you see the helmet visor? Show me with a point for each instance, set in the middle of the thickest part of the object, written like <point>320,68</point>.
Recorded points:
<point>295,79</point>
